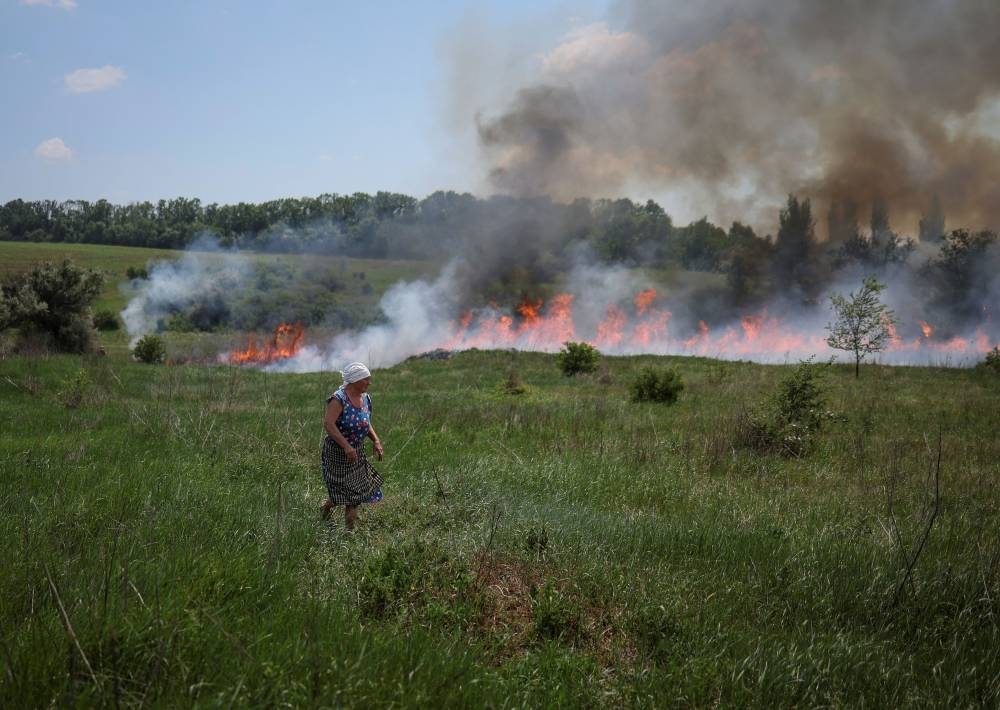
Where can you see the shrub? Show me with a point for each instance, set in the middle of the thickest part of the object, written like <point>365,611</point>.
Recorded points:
<point>73,389</point>
<point>151,349</point>
<point>992,361</point>
<point>575,358</point>
<point>653,385</point>
<point>179,323</point>
<point>133,272</point>
<point>53,299</point>
<point>106,319</point>
<point>788,422</point>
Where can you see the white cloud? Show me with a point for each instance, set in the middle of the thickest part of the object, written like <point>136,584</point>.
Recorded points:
<point>595,48</point>
<point>84,81</point>
<point>53,149</point>
<point>64,4</point>
<point>18,57</point>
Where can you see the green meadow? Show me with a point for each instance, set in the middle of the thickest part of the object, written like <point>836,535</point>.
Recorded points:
<point>565,546</point>
<point>161,542</point>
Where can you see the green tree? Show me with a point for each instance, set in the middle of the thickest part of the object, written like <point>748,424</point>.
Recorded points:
<point>879,222</point>
<point>745,266</point>
<point>932,224</point>
<point>793,248</point>
<point>862,323</point>
<point>842,220</point>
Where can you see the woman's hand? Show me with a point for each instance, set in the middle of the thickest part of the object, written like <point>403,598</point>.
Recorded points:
<point>379,451</point>
<point>352,455</point>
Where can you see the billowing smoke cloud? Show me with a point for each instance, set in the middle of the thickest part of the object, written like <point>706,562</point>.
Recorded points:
<point>417,318</point>
<point>204,269</point>
<point>734,104</point>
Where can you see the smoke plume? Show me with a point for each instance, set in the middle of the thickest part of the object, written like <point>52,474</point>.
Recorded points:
<point>202,275</point>
<point>735,104</point>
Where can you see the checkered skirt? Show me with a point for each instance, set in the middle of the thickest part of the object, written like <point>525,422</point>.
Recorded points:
<point>348,483</point>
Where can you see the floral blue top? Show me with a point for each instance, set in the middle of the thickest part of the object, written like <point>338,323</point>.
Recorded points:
<point>353,422</point>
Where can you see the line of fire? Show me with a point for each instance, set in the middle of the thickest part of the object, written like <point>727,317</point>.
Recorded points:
<point>641,326</point>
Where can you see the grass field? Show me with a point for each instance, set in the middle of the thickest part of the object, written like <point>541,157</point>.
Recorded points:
<point>162,546</point>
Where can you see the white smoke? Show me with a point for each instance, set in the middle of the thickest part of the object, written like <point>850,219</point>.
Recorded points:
<point>418,315</point>
<point>205,267</point>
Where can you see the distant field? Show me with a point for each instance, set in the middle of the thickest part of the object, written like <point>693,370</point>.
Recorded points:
<point>566,547</point>
<point>17,257</point>
<point>361,296</point>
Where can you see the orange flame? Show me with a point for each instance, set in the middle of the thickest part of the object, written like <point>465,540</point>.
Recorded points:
<point>644,299</point>
<point>529,309</point>
<point>751,325</point>
<point>537,325</point>
<point>610,331</point>
<point>285,343</point>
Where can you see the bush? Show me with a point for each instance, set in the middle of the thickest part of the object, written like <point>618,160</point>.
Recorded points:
<point>992,361</point>
<point>788,422</point>
<point>179,323</point>
<point>151,349</point>
<point>133,273</point>
<point>75,335</point>
<point>106,319</point>
<point>653,385</point>
<point>575,358</point>
<point>73,389</point>
<point>53,299</point>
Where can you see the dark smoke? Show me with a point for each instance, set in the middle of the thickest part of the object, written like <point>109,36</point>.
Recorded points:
<point>735,104</point>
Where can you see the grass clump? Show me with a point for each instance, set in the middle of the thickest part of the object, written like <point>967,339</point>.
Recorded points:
<point>577,358</point>
<point>656,385</point>
<point>513,385</point>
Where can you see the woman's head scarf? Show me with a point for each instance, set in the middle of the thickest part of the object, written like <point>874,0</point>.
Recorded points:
<point>354,372</point>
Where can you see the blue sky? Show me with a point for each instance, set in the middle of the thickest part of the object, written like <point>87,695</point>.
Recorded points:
<point>231,100</point>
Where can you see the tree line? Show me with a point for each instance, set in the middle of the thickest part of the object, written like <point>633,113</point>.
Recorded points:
<point>512,243</point>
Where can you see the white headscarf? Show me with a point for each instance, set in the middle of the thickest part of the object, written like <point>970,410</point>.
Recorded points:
<point>354,372</point>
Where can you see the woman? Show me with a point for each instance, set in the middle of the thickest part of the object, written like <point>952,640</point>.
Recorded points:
<point>350,479</point>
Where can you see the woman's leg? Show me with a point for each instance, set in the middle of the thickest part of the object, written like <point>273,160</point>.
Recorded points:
<point>350,516</point>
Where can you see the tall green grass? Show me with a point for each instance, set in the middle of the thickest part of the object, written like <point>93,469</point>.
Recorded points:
<point>562,547</point>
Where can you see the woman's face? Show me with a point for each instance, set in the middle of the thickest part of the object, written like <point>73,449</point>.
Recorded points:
<point>362,385</point>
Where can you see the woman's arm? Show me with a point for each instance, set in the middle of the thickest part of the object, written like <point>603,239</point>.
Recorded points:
<point>376,442</point>
<point>333,410</point>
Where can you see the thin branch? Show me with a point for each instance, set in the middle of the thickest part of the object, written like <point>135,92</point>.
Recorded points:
<point>412,434</point>
<point>69,626</point>
<point>927,527</point>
